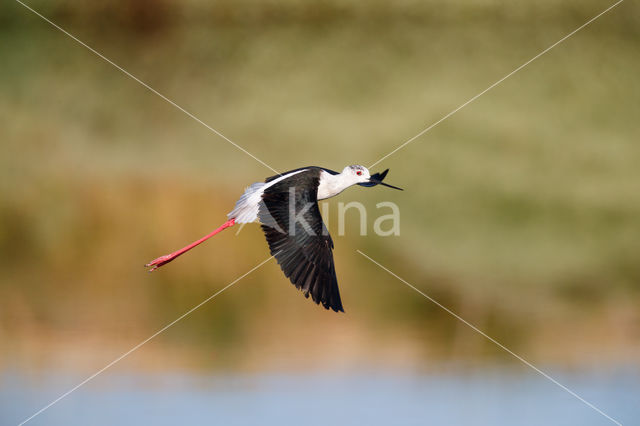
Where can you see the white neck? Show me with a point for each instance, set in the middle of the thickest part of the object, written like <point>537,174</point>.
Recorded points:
<point>331,185</point>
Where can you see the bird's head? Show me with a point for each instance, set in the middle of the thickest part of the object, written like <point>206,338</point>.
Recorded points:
<point>356,174</point>
<point>360,175</point>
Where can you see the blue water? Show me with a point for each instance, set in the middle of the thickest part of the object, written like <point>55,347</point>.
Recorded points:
<point>485,398</point>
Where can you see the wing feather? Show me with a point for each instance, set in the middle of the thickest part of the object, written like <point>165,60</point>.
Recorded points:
<point>306,258</point>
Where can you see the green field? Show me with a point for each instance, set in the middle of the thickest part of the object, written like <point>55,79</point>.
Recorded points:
<point>521,212</point>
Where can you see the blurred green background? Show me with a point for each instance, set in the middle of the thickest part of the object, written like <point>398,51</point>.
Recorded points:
<point>520,213</point>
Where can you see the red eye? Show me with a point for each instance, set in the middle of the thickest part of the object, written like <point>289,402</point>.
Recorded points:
<point>359,173</point>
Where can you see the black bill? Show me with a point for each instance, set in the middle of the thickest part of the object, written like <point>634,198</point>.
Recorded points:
<point>377,178</point>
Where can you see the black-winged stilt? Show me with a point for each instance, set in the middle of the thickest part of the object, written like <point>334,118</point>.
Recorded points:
<point>286,206</point>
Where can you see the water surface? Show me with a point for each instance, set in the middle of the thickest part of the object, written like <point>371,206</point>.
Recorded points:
<point>486,398</point>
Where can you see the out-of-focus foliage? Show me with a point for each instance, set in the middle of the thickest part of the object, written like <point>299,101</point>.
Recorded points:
<point>521,212</point>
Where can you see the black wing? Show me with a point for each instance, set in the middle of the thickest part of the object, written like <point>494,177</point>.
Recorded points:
<point>303,248</point>
<point>331,172</point>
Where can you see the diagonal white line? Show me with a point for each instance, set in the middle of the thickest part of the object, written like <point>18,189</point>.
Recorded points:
<point>240,228</point>
<point>496,83</point>
<point>128,74</point>
<point>496,342</point>
<point>124,355</point>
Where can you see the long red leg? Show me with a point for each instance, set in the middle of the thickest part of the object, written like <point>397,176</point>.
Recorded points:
<point>163,260</point>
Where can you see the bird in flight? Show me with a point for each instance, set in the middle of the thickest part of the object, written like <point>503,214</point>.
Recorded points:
<point>286,206</point>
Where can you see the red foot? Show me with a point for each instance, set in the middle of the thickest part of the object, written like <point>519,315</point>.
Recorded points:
<point>163,260</point>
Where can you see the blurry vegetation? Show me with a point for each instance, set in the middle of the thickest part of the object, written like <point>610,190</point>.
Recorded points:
<point>521,212</point>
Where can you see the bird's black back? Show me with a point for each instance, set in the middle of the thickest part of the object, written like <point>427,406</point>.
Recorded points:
<point>310,168</point>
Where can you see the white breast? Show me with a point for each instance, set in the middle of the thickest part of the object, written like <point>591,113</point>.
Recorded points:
<point>331,185</point>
